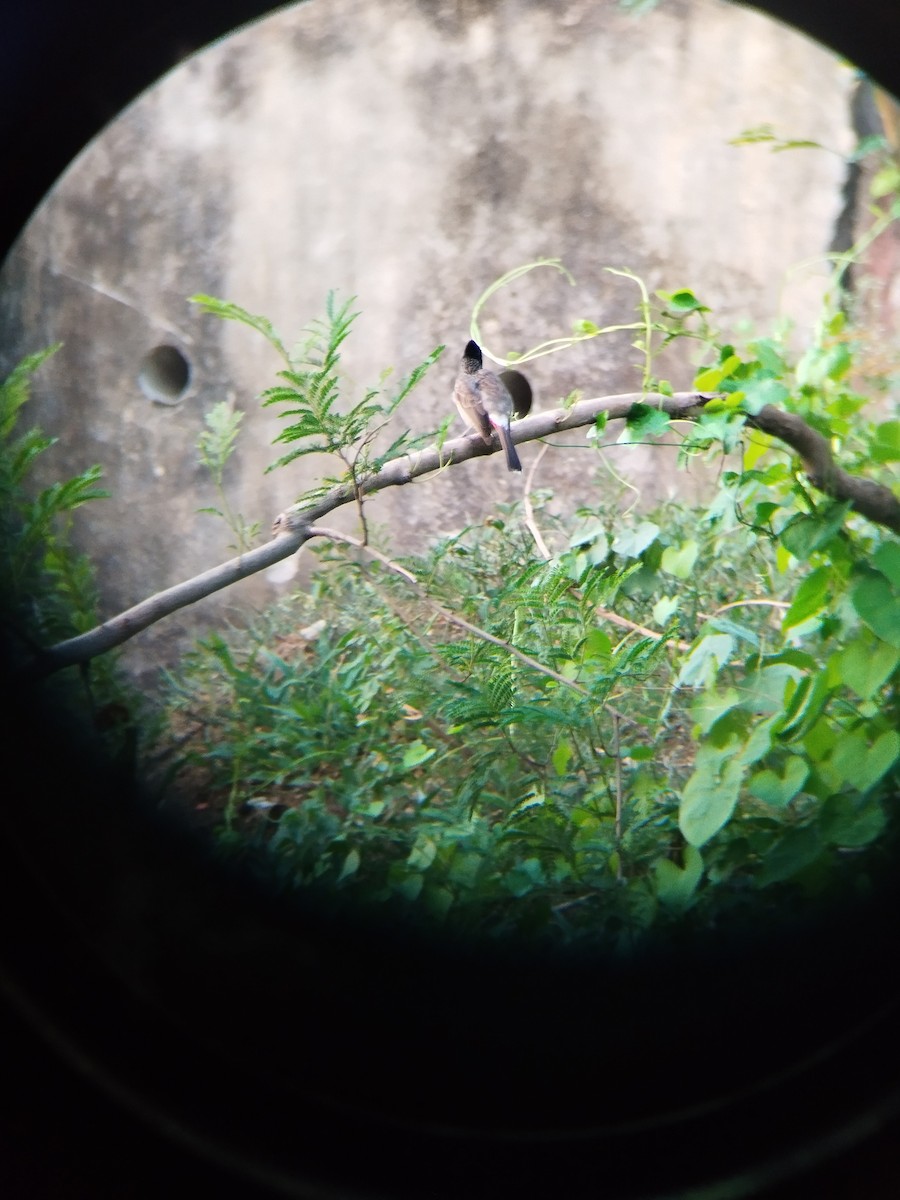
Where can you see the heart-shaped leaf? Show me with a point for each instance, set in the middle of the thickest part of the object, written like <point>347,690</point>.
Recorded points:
<point>779,790</point>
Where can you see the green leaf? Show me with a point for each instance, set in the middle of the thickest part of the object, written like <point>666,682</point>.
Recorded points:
<point>664,609</point>
<point>351,865</point>
<point>423,853</point>
<point>885,444</point>
<point>710,795</point>
<point>741,633</point>
<point>760,392</point>
<point>524,877</point>
<point>885,181</point>
<point>705,659</point>
<point>798,849</point>
<point>804,704</point>
<point>887,559</point>
<point>675,886</point>
<point>764,691</point>
<point>596,646</point>
<point>465,868</point>
<point>561,756</point>
<point>879,607</point>
<point>233,312</point>
<point>67,495</point>
<point>852,820</point>
<point>15,389</point>
<point>408,886</point>
<point>215,444</point>
<point>812,597</point>
<point>416,376</point>
<point>796,144</point>
<point>679,560</point>
<point>821,363</point>
<point>682,302</point>
<point>639,753</point>
<point>861,765</point>
<point>711,379</point>
<point>719,423</point>
<point>865,665</point>
<point>806,533</point>
<point>588,534</point>
<point>770,356</point>
<point>631,543</point>
<point>709,706</point>
<point>438,900</point>
<point>759,743</point>
<point>643,422</point>
<point>415,754</point>
<point>757,133</point>
<point>779,790</point>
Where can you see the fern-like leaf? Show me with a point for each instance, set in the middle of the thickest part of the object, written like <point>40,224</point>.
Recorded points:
<point>233,312</point>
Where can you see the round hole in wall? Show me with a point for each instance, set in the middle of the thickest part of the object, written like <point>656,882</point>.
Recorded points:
<point>164,374</point>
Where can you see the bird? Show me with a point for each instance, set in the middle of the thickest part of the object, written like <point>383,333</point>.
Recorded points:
<point>484,402</point>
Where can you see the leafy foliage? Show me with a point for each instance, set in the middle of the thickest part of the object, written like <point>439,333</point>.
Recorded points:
<point>309,393</point>
<point>47,589</point>
<point>490,746</point>
<point>215,446</point>
<point>689,716</point>
<point>613,785</point>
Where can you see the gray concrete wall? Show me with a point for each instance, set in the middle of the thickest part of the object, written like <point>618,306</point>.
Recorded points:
<point>408,153</point>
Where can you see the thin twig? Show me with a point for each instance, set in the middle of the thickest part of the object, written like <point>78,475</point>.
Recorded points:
<point>633,627</point>
<point>744,604</point>
<point>334,535</point>
<point>530,522</point>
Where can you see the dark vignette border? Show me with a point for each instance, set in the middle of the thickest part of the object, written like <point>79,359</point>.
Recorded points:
<point>320,1075</point>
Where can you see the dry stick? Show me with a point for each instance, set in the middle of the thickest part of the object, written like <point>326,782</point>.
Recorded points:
<point>623,622</point>
<point>743,604</point>
<point>530,523</point>
<point>291,527</point>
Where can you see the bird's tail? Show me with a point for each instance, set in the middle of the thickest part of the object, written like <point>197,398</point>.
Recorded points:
<point>512,458</point>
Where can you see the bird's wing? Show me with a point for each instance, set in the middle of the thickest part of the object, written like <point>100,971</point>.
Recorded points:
<point>495,399</point>
<point>468,400</point>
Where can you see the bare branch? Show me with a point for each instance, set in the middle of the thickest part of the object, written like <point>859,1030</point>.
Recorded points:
<point>411,466</point>
<point>869,499</point>
<point>125,625</point>
<point>292,527</point>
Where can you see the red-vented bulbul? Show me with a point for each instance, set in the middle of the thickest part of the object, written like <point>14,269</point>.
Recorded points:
<point>484,402</point>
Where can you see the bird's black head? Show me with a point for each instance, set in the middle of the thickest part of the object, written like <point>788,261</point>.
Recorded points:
<point>472,360</point>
